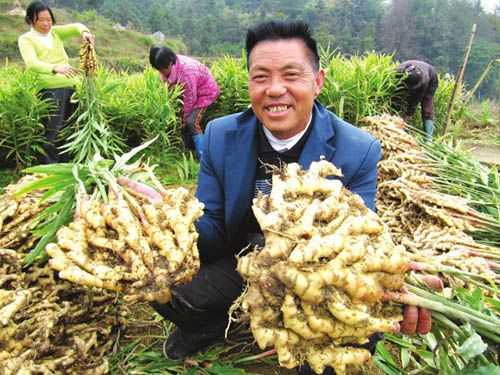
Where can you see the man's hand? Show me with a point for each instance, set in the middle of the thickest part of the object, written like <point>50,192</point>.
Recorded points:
<point>416,319</point>
<point>86,35</point>
<point>65,70</point>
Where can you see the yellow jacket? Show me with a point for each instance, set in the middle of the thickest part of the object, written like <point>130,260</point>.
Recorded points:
<point>41,59</point>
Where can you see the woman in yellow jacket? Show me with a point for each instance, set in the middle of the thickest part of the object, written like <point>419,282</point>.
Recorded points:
<point>43,53</point>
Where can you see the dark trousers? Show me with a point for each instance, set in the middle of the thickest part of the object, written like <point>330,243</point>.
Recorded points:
<point>205,301</point>
<point>424,95</point>
<point>61,110</point>
<point>192,126</point>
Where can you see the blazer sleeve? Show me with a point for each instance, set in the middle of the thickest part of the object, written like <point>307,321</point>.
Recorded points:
<point>364,182</point>
<point>211,226</point>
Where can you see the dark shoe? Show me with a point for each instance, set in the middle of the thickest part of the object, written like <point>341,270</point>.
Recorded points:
<point>180,344</point>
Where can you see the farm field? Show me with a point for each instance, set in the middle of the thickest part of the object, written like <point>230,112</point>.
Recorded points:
<point>436,201</point>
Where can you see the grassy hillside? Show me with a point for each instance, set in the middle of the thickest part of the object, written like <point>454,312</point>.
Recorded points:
<point>125,49</point>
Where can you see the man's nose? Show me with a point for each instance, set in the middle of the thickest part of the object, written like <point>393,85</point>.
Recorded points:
<point>276,87</point>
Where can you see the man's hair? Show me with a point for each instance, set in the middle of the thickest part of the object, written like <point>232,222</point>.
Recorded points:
<point>161,57</point>
<point>33,9</point>
<point>276,30</point>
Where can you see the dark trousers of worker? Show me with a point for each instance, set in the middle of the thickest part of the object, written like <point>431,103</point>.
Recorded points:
<point>61,109</point>
<point>204,302</point>
<point>426,104</point>
<point>425,98</point>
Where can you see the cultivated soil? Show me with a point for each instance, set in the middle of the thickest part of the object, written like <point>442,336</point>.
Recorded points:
<point>485,153</point>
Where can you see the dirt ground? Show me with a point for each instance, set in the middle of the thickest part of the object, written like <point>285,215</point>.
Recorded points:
<point>486,153</point>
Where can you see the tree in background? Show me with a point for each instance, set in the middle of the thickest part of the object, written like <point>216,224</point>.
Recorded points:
<point>432,30</point>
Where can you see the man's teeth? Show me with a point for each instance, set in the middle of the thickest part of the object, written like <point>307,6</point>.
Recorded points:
<point>279,108</point>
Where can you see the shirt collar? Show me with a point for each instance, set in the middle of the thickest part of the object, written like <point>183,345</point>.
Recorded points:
<point>48,35</point>
<point>282,145</point>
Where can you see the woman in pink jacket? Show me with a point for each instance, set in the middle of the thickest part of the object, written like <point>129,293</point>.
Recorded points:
<point>200,90</point>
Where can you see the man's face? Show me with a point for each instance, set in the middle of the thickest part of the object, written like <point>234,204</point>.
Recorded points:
<point>283,85</point>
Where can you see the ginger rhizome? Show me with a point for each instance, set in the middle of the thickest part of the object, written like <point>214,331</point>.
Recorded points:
<point>433,226</point>
<point>49,326</point>
<point>19,216</point>
<point>316,290</point>
<point>139,242</point>
<point>88,58</point>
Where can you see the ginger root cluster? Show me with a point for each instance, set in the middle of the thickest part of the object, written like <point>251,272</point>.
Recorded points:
<point>136,243</point>
<point>316,289</point>
<point>49,326</point>
<point>19,216</point>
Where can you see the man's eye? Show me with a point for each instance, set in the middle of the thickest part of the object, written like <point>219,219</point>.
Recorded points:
<point>291,75</point>
<point>259,78</point>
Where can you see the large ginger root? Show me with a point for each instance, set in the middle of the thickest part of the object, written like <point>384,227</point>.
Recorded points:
<point>317,287</point>
<point>139,243</point>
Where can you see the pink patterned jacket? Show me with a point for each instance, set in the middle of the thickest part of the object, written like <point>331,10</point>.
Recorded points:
<point>200,88</point>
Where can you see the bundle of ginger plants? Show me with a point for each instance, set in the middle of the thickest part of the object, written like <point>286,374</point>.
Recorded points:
<point>139,242</point>
<point>434,227</point>
<point>103,225</point>
<point>316,290</point>
<point>49,326</point>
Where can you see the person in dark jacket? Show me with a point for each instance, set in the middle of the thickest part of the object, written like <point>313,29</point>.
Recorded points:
<point>421,82</point>
<point>285,124</point>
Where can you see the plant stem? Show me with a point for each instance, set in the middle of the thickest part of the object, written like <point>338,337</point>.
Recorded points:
<point>446,309</point>
<point>441,300</point>
<point>256,357</point>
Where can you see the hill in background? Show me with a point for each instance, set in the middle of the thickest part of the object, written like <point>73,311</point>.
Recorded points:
<point>121,49</point>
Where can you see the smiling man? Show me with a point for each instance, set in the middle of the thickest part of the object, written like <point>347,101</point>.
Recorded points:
<point>285,124</point>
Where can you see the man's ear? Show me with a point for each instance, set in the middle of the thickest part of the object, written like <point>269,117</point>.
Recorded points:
<point>319,81</point>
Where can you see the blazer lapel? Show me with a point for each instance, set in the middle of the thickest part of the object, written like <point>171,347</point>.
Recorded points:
<point>241,160</point>
<point>318,144</point>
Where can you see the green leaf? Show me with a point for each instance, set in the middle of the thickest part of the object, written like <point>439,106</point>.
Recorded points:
<point>430,341</point>
<point>384,354</point>
<point>44,183</point>
<point>472,347</point>
<point>495,303</point>
<point>64,216</point>
<point>222,369</point>
<point>405,357</point>
<point>402,341</point>
<point>50,169</point>
<point>122,160</point>
<point>427,357</point>
<point>386,368</point>
<point>490,369</point>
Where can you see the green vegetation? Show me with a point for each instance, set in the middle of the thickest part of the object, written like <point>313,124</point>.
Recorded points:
<point>116,96</point>
<point>354,88</point>
<point>457,173</point>
<point>21,111</point>
<point>432,30</point>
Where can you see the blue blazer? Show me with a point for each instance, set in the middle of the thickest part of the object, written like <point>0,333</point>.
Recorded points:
<point>226,181</point>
